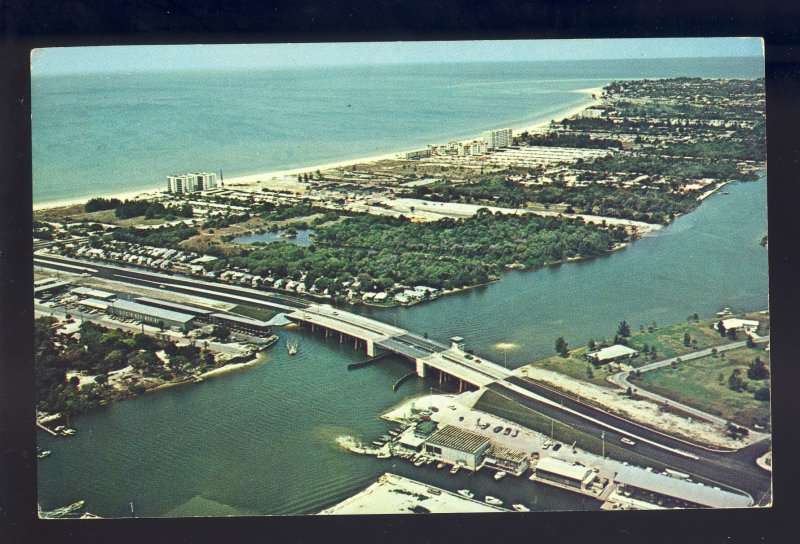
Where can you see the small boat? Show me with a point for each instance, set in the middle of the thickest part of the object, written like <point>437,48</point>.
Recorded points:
<point>520,507</point>
<point>378,443</point>
<point>393,433</point>
<point>419,462</point>
<point>493,500</point>
<point>59,428</point>
<point>291,347</point>
<point>466,493</point>
<point>429,461</point>
<point>43,454</point>
<point>440,465</point>
<point>454,469</point>
<point>385,437</point>
<point>68,432</point>
<point>384,455</point>
<point>500,474</point>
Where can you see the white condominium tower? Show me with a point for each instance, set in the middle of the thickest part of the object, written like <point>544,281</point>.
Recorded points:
<point>497,138</point>
<point>191,183</point>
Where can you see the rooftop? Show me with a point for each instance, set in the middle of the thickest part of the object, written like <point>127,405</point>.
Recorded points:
<point>152,311</point>
<point>562,468</point>
<point>94,293</point>
<point>458,439</point>
<point>681,489</point>
<point>507,454</point>
<point>173,305</point>
<point>241,320</point>
<point>612,352</point>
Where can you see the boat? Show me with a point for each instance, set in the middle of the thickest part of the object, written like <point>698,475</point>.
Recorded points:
<point>500,474</point>
<point>385,437</point>
<point>493,500</point>
<point>419,462</point>
<point>68,432</point>
<point>291,347</point>
<point>429,461</point>
<point>454,469</point>
<point>440,465</point>
<point>379,443</point>
<point>384,455</point>
<point>466,493</point>
<point>43,454</point>
<point>393,433</point>
<point>520,507</point>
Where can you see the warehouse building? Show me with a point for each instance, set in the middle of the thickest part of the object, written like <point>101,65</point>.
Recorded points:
<point>661,490</point>
<point>200,313</point>
<point>45,289</point>
<point>88,292</point>
<point>95,304</point>
<point>457,446</point>
<point>502,458</point>
<point>561,474</point>
<point>157,317</point>
<point>241,324</point>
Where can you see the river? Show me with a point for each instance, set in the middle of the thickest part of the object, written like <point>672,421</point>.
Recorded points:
<point>261,440</point>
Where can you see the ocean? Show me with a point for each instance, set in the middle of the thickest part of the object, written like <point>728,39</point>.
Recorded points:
<point>103,134</point>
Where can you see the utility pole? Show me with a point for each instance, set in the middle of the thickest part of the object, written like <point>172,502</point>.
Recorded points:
<point>603,437</point>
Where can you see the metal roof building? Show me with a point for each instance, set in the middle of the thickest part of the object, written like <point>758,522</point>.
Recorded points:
<point>646,485</point>
<point>150,315</point>
<point>457,446</point>
<point>168,305</point>
<point>93,293</point>
<point>612,353</point>
<point>95,304</point>
<point>562,474</point>
<point>240,323</point>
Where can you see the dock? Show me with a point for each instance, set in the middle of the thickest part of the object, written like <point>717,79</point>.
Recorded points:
<point>47,429</point>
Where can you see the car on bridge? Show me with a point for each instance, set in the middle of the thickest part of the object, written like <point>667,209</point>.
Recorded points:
<point>627,441</point>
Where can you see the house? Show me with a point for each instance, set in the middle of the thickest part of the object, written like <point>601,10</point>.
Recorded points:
<point>614,353</point>
<point>748,326</point>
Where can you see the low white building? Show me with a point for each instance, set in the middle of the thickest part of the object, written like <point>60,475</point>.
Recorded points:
<point>747,326</point>
<point>610,354</point>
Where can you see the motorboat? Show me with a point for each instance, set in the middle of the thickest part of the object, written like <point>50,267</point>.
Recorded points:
<point>493,500</point>
<point>500,474</point>
<point>291,347</point>
<point>43,454</point>
<point>419,462</point>
<point>384,455</point>
<point>440,465</point>
<point>466,493</point>
<point>520,507</point>
<point>454,469</point>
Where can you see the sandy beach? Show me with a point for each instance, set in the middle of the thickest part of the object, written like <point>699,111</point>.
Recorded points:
<point>254,181</point>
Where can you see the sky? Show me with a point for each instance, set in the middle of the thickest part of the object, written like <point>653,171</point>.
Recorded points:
<point>69,60</point>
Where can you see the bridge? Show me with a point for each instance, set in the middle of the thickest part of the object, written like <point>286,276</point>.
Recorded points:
<point>447,362</point>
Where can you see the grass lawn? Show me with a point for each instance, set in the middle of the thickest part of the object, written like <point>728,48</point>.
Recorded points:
<point>696,383</point>
<point>254,313</point>
<point>668,340</point>
<point>494,403</point>
<point>108,217</point>
<point>576,366</point>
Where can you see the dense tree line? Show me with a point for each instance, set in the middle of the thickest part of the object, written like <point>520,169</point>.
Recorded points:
<point>160,237</point>
<point>98,352</point>
<point>151,210</point>
<point>100,204</point>
<point>556,139</point>
<point>381,251</point>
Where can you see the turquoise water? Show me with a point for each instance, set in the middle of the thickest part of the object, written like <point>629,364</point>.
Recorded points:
<point>109,133</point>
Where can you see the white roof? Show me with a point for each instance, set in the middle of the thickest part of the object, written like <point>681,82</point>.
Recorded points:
<point>681,489</point>
<point>562,468</point>
<point>612,352</point>
<point>735,323</point>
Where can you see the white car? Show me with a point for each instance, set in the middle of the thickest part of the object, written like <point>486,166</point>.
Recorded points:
<point>628,441</point>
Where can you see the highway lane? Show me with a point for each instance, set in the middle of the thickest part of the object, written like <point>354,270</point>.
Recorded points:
<point>736,470</point>
<point>180,284</point>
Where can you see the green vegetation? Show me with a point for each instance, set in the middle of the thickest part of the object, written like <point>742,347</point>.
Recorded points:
<point>718,385</point>
<point>381,251</point>
<point>98,352</point>
<point>160,237</point>
<point>670,341</point>
<point>577,367</point>
<point>253,312</point>
<point>136,208</point>
<point>100,204</point>
<point>495,403</point>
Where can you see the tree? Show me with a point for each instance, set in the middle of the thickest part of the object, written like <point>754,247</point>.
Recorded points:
<point>757,370</point>
<point>750,343</point>
<point>101,379</point>
<point>687,340</point>
<point>561,346</point>
<point>762,393</point>
<point>591,345</point>
<point>221,333</point>
<point>589,373</point>
<point>721,328</point>
<point>624,329</point>
<point>735,381</point>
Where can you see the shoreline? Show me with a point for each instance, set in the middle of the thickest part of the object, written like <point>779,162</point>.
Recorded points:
<point>262,178</point>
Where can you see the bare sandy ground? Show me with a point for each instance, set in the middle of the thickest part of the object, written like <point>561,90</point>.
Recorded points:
<point>641,411</point>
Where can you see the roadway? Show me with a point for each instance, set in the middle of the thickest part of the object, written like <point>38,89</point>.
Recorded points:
<point>736,470</point>
<point>174,283</point>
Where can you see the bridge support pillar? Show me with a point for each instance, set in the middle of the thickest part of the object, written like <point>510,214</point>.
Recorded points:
<point>370,348</point>
<point>420,368</point>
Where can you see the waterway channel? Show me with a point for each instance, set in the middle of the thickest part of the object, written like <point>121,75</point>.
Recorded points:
<point>261,440</point>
